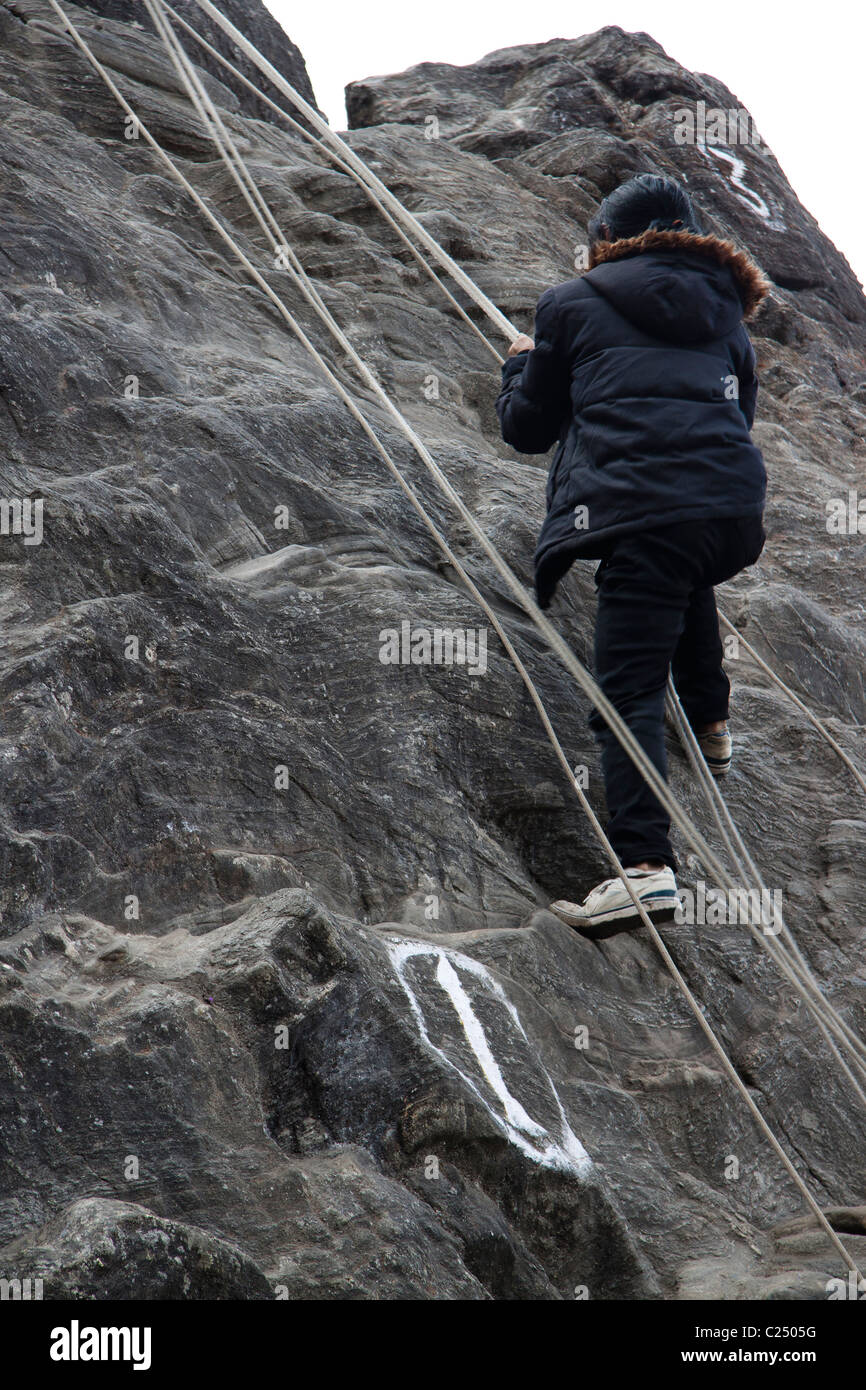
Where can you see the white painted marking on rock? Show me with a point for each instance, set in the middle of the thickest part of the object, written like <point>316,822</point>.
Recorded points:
<point>566,1153</point>
<point>753,201</point>
<point>514,1111</point>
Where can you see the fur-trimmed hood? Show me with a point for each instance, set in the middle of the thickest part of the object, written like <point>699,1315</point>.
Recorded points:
<point>685,298</point>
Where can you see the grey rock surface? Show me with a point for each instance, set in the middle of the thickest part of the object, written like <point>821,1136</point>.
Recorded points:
<point>282,1011</point>
<point>119,24</point>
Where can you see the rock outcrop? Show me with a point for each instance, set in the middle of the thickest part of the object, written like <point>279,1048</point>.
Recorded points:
<point>282,1010</point>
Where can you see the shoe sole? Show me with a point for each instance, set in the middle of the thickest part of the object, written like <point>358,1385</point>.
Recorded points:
<point>718,767</point>
<point>661,909</point>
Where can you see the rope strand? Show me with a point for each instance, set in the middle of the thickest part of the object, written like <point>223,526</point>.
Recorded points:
<point>333,156</point>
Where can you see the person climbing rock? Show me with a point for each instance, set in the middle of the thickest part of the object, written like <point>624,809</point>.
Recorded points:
<point>643,370</point>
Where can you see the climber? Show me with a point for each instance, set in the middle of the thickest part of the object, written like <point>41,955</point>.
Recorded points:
<point>644,371</point>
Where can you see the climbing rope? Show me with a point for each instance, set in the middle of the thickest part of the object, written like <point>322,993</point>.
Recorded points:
<point>383,194</point>
<point>581,676</point>
<point>334,157</point>
<point>745,864</point>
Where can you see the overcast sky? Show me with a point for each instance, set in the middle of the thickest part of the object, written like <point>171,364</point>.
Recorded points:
<point>798,69</point>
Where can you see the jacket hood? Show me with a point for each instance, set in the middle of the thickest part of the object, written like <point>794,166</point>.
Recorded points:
<point>677,285</point>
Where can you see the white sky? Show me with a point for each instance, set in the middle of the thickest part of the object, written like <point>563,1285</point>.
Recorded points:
<point>798,69</point>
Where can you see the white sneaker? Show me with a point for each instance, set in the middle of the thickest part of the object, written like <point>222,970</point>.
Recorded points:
<point>717,750</point>
<point>609,907</point>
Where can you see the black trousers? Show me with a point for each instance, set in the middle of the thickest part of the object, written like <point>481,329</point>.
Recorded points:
<point>657,612</point>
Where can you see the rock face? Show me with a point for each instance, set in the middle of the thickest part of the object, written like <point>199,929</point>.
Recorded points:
<point>282,1010</point>
<point>257,23</point>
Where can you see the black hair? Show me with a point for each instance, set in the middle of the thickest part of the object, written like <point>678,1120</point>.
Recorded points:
<point>647,202</point>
